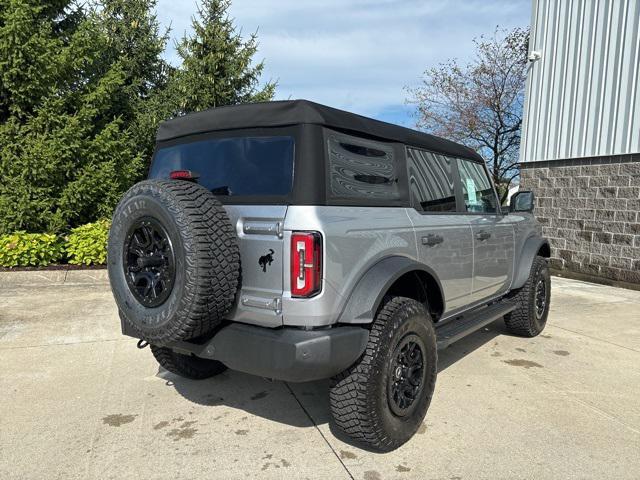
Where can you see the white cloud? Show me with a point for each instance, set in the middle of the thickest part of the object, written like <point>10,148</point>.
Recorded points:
<point>358,54</point>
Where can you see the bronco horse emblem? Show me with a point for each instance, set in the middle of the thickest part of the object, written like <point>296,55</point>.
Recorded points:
<point>265,260</point>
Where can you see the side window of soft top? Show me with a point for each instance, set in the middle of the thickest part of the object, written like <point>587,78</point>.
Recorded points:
<point>361,169</point>
<point>477,189</point>
<point>431,181</point>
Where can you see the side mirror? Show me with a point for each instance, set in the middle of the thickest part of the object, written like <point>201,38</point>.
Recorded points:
<point>523,201</point>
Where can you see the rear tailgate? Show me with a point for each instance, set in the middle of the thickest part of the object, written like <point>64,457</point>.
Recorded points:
<point>260,235</point>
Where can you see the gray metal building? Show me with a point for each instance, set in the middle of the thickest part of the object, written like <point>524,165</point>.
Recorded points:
<point>580,148</point>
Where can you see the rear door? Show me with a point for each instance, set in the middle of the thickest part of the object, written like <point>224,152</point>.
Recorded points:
<point>260,235</point>
<point>252,175</point>
<point>443,236</point>
<point>493,234</point>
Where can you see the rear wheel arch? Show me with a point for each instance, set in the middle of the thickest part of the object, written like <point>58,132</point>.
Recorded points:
<point>420,285</point>
<point>397,276</point>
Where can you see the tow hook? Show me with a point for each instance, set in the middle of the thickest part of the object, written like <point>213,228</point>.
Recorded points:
<point>142,344</point>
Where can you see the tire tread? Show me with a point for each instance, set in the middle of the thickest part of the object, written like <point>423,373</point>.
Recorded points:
<point>353,406</point>
<point>521,321</point>
<point>212,258</point>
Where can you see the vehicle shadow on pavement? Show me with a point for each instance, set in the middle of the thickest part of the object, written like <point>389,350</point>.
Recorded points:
<point>469,344</point>
<point>255,395</point>
<point>303,404</point>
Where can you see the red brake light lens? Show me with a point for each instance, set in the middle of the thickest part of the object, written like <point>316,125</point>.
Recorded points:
<point>306,264</point>
<point>183,175</point>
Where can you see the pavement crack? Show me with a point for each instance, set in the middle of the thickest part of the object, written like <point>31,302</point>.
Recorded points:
<point>318,429</point>
<point>602,412</point>
<point>595,338</point>
<point>97,426</point>
<point>572,395</point>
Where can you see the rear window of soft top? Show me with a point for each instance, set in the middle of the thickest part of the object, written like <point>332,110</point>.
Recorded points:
<point>237,166</point>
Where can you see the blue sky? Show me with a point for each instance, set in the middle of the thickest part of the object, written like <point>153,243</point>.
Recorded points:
<point>357,54</point>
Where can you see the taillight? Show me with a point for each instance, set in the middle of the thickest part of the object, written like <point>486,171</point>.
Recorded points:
<point>306,264</point>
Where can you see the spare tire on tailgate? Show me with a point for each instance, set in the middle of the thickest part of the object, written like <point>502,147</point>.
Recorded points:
<point>173,260</point>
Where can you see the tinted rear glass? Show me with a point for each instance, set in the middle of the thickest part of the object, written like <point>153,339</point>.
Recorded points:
<point>240,166</point>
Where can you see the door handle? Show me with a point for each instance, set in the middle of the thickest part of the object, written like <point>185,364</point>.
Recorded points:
<point>432,239</point>
<point>482,235</point>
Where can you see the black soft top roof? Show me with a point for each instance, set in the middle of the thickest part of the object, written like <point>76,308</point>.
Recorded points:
<point>296,112</point>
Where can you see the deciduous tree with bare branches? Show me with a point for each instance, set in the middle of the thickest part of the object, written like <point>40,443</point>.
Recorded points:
<point>480,104</point>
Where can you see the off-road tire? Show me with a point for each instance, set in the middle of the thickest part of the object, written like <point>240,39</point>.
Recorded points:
<point>206,253</point>
<point>359,398</point>
<point>186,366</point>
<point>524,321</point>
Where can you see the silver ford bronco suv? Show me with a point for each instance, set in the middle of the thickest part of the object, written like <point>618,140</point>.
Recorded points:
<point>299,242</point>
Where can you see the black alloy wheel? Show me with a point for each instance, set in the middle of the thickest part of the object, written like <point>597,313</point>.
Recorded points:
<point>406,375</point>
<point>540,298</point>
<point>149,262</point>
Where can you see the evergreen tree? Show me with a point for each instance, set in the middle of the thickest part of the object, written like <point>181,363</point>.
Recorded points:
<point>83,87</point>
<point>27,43</point>
<point>136,42</point>
<point>217,66</point>
<point>68,146</point>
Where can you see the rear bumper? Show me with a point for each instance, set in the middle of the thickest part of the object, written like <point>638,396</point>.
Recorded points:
<point>288,354</point>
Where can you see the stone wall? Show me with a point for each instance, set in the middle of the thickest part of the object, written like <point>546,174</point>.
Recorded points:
<point>588,208</point>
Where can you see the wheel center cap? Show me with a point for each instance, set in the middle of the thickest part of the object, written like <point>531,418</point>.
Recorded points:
<point>150,261</point>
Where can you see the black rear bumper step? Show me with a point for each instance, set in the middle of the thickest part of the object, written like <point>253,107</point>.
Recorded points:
<point>453,330</point>
<point>289,354</point>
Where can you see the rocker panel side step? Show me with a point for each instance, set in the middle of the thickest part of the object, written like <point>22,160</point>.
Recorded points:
<point>453,330</point>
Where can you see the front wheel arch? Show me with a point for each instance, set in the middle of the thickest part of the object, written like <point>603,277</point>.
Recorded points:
<point>533,247</point>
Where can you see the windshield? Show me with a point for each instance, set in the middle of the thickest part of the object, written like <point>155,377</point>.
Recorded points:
<point>233,166</point>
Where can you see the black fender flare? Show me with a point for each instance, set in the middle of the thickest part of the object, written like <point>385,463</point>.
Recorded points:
<point>366,296</point>
<point>528,253</point>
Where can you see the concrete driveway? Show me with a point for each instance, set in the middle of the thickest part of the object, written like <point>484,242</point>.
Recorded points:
<point>78,400</point>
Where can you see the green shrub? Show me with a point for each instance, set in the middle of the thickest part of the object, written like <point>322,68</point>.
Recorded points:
<point>87,245</point>
<point>21,249</point>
